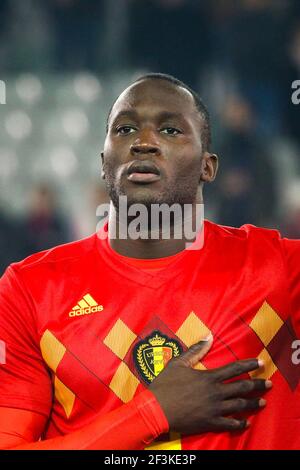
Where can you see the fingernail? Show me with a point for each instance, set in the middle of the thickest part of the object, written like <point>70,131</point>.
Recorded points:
<point>262,402</point>
<point>268,384</point>
<point>208,337</point>
<point>261,363</point>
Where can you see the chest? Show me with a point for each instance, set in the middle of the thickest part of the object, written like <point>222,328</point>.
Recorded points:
<point>109,342</point>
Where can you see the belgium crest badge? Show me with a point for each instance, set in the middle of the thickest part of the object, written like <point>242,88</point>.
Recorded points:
<point>153,353</point>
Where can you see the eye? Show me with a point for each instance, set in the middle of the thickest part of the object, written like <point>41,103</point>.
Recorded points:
<point>125,130</point>
<point>171,131</point>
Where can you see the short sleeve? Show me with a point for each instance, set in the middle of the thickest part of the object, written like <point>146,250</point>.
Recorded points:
<point>291,250</point>
<point>24,379</point>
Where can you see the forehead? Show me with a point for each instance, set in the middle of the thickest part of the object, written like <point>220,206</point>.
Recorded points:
<point>151,96</point>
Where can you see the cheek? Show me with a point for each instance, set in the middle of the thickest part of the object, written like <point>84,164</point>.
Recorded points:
<point>113,148</point>
<point>113,166</point>
<point>112,156</point>
<point>187,166</point>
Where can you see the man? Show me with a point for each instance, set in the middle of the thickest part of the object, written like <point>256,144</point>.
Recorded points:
<point>90,327</point>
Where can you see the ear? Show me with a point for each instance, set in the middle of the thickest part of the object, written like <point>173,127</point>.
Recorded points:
<point>209,167</point>
<point>102,170</point>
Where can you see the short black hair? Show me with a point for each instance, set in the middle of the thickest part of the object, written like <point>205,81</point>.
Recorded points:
<point>200,106</point>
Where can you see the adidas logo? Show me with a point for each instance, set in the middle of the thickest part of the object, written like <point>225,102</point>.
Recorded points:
<point>85,306</point>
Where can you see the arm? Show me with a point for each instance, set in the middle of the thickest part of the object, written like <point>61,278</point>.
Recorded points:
<point>131,426</point>
<point>137,423</point>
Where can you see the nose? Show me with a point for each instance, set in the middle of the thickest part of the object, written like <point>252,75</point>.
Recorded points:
<point>146,143</point>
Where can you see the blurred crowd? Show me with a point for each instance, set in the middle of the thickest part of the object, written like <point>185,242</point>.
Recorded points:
<point>44,225</point>
<point>242,57</point>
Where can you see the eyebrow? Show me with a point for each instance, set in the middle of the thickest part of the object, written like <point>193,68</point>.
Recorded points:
<point>126,113</point>
<point>163,116</point>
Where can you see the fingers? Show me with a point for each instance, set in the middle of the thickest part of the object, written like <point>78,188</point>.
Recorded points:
<point>238,405</point>
<point>196,352</point>
<point>235,369</point>
<point>243,387</point>
<point>229,424</point>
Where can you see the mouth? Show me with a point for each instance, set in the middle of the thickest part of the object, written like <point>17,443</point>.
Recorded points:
<point>143,172</point>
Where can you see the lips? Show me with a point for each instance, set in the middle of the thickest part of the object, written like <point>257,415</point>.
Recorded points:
<point>143,167</point>
<point>143,172</point>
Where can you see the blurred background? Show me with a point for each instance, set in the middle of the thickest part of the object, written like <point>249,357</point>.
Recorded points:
<point>65,61</point>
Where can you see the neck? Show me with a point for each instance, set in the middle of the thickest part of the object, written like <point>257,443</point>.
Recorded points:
<point>161,240</point>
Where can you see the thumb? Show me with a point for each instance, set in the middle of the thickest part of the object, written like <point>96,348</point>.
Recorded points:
<point>197,351</point>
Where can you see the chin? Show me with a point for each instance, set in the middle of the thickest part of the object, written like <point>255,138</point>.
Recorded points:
<point>145,197</point>
<point>148,195</point>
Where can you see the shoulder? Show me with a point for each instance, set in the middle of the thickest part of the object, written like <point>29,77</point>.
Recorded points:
<point>245,232</point>
<point>57,256</point>
<point>258,242</point>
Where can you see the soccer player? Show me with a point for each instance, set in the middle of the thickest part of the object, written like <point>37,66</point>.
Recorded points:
<point>117,342</point>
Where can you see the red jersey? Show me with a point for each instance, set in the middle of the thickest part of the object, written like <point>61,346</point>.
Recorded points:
<point>86,330</point>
